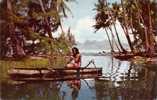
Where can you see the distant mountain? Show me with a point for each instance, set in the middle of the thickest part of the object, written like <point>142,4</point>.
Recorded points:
<point>96,45</point>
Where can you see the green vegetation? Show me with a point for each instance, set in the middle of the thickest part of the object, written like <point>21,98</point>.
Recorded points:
<point>32,62</point>
<point>8,64</point>
<point>27,33</point>
<point>28,27</point>
<point>136,17</point>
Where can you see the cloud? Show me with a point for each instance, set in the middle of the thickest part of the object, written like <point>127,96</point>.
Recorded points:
<point>84,30</point>
<point>84,24</point>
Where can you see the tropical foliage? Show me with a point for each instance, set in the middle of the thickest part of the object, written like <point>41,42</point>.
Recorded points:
<point>27,26</point>
<point>136,17</point>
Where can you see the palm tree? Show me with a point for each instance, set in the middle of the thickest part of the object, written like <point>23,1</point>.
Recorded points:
<point>37,21</point>
<point>120,44</point>
<point>112,49</point>
<point>125,27</point>
<point>103,20</point>
<point>141,17</point>
<point>115,14</point>
<point>113,38</point>
<point>46,19</point>
<point>60,7</point>
<point>15,41</point>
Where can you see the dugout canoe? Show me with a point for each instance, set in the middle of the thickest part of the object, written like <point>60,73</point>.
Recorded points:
<point>53,74</point>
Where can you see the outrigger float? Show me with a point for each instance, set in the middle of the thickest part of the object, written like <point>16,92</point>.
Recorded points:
<point>53,74</point>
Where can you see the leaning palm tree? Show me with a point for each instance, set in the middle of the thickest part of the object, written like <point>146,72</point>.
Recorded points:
<point>141,19</point>
<point>113,38</point>
<point>115,14</point>
<point>108,37</point>
<point>104,19</point>
<point>125,26</point>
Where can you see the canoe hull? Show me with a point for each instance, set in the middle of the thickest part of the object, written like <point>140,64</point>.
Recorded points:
<point>30,74</point>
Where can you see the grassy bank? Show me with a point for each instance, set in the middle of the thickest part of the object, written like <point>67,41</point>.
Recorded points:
<point>33,62</point>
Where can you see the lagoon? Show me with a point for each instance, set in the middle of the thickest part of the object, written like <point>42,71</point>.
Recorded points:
<point>123,80</point>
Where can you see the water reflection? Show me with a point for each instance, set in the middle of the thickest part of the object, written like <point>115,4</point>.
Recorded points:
<point>131,82</point>
<point>123,80</point>
<point>75,86</point>
<point>29,91</point>
<point>78,90</point>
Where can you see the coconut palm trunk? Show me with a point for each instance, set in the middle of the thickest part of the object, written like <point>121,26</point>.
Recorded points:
<point>16,43</point>
<point>125,28</point>
<point>112,49</point>
<point>151,37</point>
<point>120,44</point>
<point>48,28</point>
<point>114,38</point>
<point>132,29</point>
<point>145,32</point>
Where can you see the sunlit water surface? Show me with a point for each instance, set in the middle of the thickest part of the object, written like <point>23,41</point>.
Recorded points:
<point>122,80</point>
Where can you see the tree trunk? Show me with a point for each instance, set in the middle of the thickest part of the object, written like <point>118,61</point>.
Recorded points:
<point>112,49</point>
<point>48,28</point>
<point>120,44</point>
<point>125,28</point>
<point>114,39</point>
<point>149,39</point>
<point>16,43</point>
<point>132,29</point>
<point>150,31</point>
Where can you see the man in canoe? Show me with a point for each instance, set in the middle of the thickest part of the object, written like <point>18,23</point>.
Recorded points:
<point>75,58</point>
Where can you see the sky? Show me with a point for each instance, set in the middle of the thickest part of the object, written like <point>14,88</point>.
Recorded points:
<point>81,21</point>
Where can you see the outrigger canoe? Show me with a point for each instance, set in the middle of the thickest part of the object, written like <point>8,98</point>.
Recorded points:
<point>53,74</point>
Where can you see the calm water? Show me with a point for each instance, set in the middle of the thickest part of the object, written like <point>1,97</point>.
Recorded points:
<point>122,80</point>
